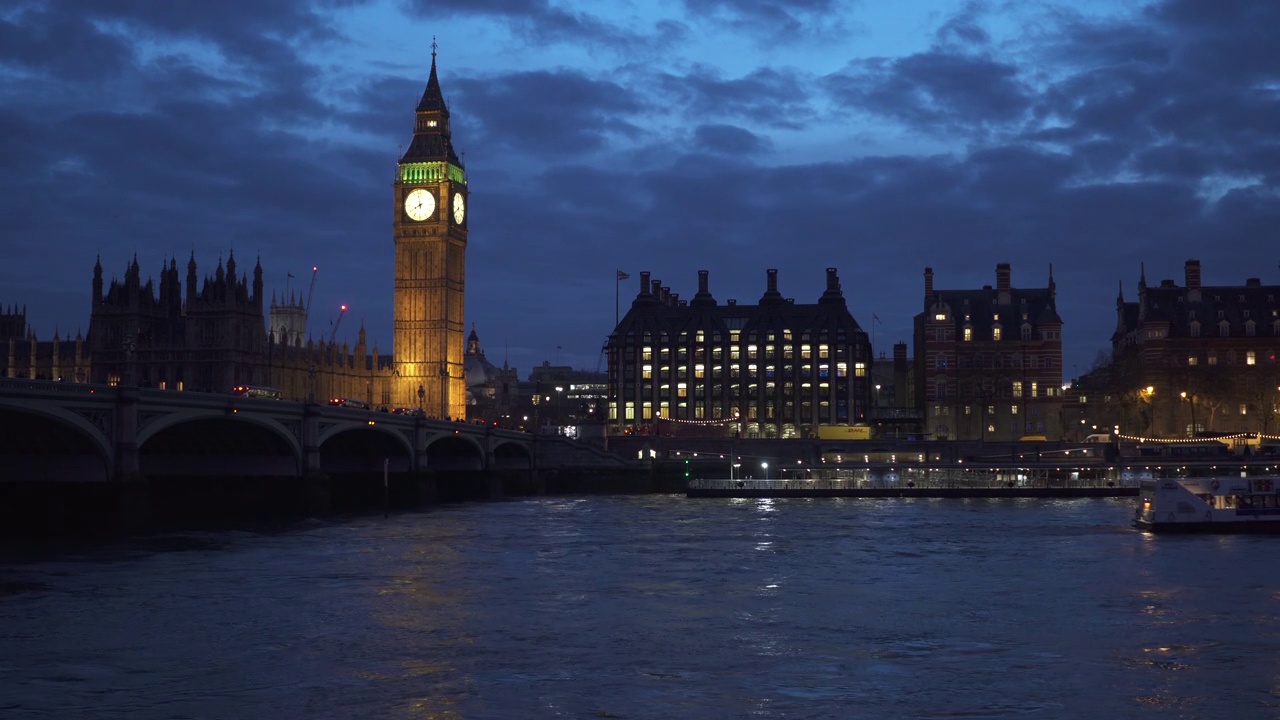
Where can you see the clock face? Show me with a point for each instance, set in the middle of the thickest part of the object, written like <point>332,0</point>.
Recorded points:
<point>419,204</point>
<point>459,208</point>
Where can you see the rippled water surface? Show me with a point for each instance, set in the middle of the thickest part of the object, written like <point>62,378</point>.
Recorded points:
<point>654,607</point>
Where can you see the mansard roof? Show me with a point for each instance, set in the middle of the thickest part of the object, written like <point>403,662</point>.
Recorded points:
<point>656,311</point>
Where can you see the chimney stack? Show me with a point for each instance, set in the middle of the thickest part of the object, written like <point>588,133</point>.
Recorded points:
<point>703,285</point>
<point>644,282</point>
<point>1003,276</point>
<point>1193,274</point>
<point>773,281</point>
<point>928,281</point>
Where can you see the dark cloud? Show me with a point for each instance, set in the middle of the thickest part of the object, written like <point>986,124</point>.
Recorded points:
<point>729,140</point>
<point>784,21</point>
<point>545,114</point>
<point>767,97</point>
<point>536,21</point>
<point>935,91</point>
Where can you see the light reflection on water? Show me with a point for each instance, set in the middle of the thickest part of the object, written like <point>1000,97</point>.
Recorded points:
<point>654,607</point>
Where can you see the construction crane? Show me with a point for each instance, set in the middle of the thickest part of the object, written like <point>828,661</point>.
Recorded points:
<point>315,270</point>
<point>333,336</point>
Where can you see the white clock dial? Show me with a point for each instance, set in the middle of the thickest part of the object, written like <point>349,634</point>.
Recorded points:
<point>459,208</point>
<point>419,204</point>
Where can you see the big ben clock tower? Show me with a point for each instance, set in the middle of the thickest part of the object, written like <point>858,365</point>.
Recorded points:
<point>430,232</point>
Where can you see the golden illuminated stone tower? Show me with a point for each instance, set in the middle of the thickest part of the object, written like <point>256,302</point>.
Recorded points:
<point>430,231</point>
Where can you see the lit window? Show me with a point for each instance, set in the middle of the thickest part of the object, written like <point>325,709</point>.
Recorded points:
<point>995,333</point>
<point>699,371</point>
<point>940,316</point>
<point>860,369</point>
<point>991,409</point>
<point>968,334</point>
<point>968,409</point>
<point>1034,390</point>
<point>682,390</point>
<point>646,372</point>
<point>1193,360</point>
<point>823,352</point>
<point>1017,388</point>
<point>806,352</point>
<point>1244,409</point>
<point>842,369</point>
<point>1013,409</point>
<point>1250,358</point>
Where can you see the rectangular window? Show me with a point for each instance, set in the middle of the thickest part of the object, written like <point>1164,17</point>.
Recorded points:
<point>991,409</point>
<point>968,334</point>
<point>1013,409</point>
<point>646,372</point>
<point>995,333</point>
<point>1250,358</point>
<point>1244,409</point>
<point>1193,360</point>
<point>1034,389</point>
<point>842,369</point>
<point>646,354</point>
<point>682,390</point>
<point>699,371</point>
<point>823,352</point>
<point>860,369</point>
<point>940,316</point>
<point>806,352</point>
<point>968,409</point>
<point>1017,388</point>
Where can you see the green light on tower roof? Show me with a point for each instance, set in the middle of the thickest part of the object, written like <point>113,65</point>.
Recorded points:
<point>429,172</point>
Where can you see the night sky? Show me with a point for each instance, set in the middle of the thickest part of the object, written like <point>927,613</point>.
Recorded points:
<point>671,136</point>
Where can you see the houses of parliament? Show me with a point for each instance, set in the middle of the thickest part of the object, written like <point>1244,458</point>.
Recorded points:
<point>208,334</point>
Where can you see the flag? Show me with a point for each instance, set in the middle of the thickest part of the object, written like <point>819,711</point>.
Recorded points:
<point>623,276</point>
<point>875,317</point>
<point>290,274</point>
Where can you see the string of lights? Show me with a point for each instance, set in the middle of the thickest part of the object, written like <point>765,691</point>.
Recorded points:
<point>1179,441</point>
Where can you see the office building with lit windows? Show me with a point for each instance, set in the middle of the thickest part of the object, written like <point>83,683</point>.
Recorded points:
<point>777,369</point>
<point>989,361</point>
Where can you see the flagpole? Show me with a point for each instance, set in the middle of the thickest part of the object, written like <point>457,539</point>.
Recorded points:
<point>617,285</point>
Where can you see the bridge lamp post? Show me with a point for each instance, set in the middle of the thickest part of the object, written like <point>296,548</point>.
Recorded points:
<point>765,466</point>
<point>559,411</point>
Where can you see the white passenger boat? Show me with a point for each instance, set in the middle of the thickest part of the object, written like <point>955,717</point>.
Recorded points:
<point>1209,504</point>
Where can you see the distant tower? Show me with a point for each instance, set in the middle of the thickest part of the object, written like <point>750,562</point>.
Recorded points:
<point>429,223</point>
<point>288,320</point>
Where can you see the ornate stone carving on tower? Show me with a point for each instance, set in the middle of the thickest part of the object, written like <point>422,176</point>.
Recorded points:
<point>430,233</point>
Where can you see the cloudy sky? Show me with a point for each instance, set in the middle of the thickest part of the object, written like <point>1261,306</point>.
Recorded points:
<point>664,135</point>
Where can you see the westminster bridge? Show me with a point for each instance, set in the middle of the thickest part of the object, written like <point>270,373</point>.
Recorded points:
<point>57,431</point>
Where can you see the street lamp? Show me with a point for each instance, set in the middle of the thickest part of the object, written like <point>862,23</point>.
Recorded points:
<point>765,466</point>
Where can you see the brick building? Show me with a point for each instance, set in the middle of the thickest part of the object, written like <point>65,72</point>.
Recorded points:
<point>989,361</point>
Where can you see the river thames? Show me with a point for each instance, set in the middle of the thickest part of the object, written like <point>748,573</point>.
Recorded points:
<point>653,607</point>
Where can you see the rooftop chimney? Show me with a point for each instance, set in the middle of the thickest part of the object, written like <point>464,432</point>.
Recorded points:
<point>702,281</point>
<point>1003,274</point>
<point>832,293</point>
<point>773,281</point>
<point>928,281</point>
<point>1193,273</point>
<point>644,282</point>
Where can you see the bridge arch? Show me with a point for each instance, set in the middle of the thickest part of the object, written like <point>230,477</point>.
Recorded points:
<point>213,442</point>
<point>47,442</point>
<point>362,447</point>
<point>511,455</point>
<point>455,451</point>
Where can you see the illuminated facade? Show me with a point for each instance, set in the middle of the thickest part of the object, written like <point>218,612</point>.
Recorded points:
<point>1192,359</point>
<point>429,221</point>
<point>989,361</point>
<point>777,369</point>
